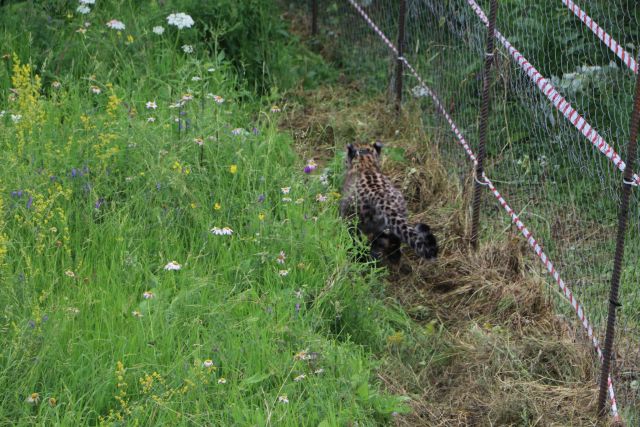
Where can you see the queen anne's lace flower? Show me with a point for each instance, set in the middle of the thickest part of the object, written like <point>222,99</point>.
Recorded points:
<point>158,30</point>
<point>83,9</point>
<point>180,20</point>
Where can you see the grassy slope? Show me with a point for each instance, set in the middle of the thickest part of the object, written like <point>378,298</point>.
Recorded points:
<point>97,200</point>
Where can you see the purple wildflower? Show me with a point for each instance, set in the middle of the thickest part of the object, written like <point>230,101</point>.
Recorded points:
<point>74,172</point>
<point>32,324</point>
<point>297,307</point>
<point>261,198</point>
<point>29,202</point>
<point>99,203</point>
<point>255,131</point>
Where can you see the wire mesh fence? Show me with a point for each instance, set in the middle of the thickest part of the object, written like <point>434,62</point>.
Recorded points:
<point>562,95</point>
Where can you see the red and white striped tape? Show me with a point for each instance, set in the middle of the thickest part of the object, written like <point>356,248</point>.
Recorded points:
<point>615,47</point>
<point>564,289</point>
<point>556,99</point>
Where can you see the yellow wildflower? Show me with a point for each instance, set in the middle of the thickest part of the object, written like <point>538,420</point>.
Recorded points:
<point>233,169</point>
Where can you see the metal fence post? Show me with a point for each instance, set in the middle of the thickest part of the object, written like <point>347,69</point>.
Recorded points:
<point>617,261</point>
<point>314,17</point>
<point>399,65</point>
<point>484,117</point>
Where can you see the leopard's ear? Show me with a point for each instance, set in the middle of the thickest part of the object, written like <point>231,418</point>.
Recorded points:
<point>351,151</point>
<point>377,146</point>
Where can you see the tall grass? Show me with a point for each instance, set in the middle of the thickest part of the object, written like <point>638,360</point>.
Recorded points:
<point>102,195</point>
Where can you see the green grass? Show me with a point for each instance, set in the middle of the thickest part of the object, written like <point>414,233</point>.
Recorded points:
<point>97,200</point>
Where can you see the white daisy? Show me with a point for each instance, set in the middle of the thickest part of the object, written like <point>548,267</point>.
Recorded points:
<point>33,398</point>
<point>151,105</point>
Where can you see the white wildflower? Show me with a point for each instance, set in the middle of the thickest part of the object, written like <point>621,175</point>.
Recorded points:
<point>180,20</point>
<point>172,265</point>
<point>114,24</point>
<point>33,399</point>
<point>83,9</point>
<point>225,231</point>
<point>158,30</point>
<point>283,399</point>
<point>187,48</point>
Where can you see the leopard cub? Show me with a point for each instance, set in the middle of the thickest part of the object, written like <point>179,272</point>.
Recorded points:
<point>379,207</point>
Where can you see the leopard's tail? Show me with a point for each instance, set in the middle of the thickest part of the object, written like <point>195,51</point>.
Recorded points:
<point>421,240</point>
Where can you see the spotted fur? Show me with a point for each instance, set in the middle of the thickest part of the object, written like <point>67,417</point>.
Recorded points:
<point>380,210</point>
